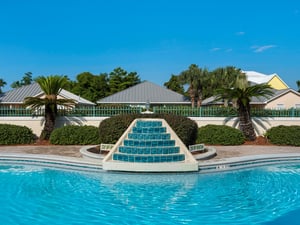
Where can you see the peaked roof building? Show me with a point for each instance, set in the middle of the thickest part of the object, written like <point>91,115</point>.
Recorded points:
<point>283,99</point>
<point>273,79</point>
<point>16,96</point>
<point>145,93</point>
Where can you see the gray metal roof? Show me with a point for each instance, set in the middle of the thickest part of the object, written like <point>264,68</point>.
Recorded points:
<point>81,101</point>
<point>17,95</point>
<point>146,92</point>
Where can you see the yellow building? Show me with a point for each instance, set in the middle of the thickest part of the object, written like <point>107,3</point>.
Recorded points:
<point>273,79</point>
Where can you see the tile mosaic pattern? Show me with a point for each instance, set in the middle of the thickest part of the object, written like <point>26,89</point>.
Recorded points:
<point>148,143</point>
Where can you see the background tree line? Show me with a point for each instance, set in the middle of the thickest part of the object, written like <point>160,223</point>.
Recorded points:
<point>87,85</point>
<point>194,82</point>
<point>94,87</point>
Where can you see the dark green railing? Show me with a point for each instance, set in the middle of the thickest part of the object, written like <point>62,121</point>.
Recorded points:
<point>178,110</point>
<point>77,111</point>
<point>224,111</point>
<point>196,112</point>
<point>18,111</point>
<point>100,111</point>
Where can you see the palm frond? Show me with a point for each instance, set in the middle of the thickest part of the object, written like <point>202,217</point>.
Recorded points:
<point>65,101</point>
<point>51,85</point>
<point>34,102</point>
<point>258,123</point>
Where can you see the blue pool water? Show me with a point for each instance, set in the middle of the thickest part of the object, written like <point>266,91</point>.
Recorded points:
<point>34,195</point>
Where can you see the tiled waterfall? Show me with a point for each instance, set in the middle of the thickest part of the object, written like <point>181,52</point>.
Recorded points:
<point>148,142</point>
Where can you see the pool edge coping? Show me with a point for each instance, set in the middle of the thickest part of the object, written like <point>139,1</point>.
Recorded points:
<point>56,161</point>
<point>222,165</point>
<point>249,161</point>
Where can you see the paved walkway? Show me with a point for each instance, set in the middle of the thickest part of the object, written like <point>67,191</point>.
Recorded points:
<point>248,150</point>
<point>60,150</point>
<point>222,151</point>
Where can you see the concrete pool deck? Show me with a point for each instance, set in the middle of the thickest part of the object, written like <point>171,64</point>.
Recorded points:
<point>223,152</point>
<point>58,150</point>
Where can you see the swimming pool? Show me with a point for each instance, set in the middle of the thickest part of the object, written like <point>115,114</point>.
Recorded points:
<point>38,195</point>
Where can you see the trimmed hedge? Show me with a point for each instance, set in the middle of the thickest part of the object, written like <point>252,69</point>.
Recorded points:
<point>75,135</point>
<point>13,134</point>
<point>220,135</point>
<point>111,129</point>
<point>284,135</point>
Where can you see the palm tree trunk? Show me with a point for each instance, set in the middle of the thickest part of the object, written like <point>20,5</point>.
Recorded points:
<point>246,125</point>
<point>200,96</point>
<point>49,123</point>
<point>192,94</point>
<point>199,100</point>
<point>193,101</point>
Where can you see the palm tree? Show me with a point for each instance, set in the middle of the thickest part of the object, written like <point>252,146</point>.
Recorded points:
<point>223,77</point>
<point>298,85</point>
<point>51,86</point>
<point>195,77</point>
<point>242,93</point>
<point>186,77</point>
<point>201,87</point>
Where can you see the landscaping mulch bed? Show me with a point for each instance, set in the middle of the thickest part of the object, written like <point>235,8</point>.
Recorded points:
<point>260,140</point>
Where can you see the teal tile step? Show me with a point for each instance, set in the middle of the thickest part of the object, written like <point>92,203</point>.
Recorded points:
<point>142,123</point>
<point>148,150</point>
<point>149,130</point>
<point>148,143</point>
<point>159,136</point>
<point>148,159</point>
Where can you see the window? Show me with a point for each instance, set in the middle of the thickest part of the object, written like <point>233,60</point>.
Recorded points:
<point>280,106</point>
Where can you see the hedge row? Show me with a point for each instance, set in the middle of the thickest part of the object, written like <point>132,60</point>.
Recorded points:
<point>13,134</point>
<point>284,135</point>
<point>220,135</point>
<point>75,135</point>
<point>112,128</point>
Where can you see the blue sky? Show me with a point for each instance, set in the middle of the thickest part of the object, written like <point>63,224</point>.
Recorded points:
<point>155,38</point>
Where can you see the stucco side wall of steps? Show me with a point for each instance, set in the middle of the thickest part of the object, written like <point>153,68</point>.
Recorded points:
<point>36,123</point>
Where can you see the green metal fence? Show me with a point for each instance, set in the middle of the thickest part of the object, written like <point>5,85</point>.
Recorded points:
<point>275,112</point>
<point>100,111</point>
<point>77,111</point>
<point>196,112</point>
<point>18,111</point>
<point>178,110</point>
<point>224,111</point>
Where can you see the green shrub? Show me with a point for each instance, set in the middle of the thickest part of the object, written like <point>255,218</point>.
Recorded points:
<point>14,134</point>
<point>75,135</point>
<point>284,135</point>
<point>220,135</point>
<point>112,128</point>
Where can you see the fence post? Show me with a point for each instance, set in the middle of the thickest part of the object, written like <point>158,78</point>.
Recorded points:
<point>293,112</point>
